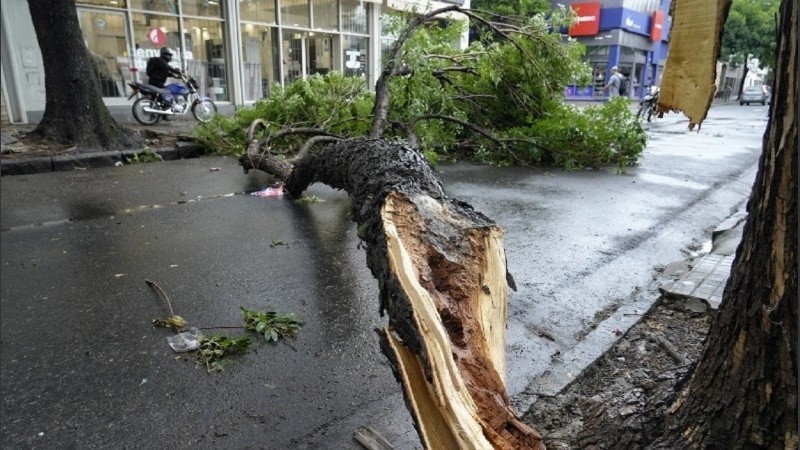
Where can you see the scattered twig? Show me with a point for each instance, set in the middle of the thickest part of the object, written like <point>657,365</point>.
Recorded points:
<point>371,439</point>
<point>287,342</point>
<point>668,347</point>
<point>161,294</point>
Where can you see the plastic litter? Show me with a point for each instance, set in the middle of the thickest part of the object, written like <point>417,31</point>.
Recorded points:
<point>186,341</point>
<point>272,191</point>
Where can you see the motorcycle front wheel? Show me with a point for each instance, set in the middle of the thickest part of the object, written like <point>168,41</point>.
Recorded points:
<point>145,118</point>
<point>204,110</point>
<point>641,111</point>
<point>650,113</point>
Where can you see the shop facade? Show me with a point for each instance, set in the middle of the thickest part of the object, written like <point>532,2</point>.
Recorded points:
<point>236,49</point>
<point>630,34</point>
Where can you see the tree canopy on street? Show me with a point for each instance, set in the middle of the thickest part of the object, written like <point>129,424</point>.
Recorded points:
<point>512,7</point>
<point>501,100</point>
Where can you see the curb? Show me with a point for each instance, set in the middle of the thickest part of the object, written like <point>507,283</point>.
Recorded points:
<point>27,166</point>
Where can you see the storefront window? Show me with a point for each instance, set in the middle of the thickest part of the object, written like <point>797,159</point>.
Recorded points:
<point>204,40</point>
<point>104,33</point>
<point>294,13</point>
<point>293,55</point>
<point>205,8</point>
<point>167,6</point>
<point>320,54</point>
<point>260,60</point>
<point>325,15</point>
<point>257,10</point>
<point>355,55</point>
<point>107,3</point>
<point>354,16</point>
<point>150,33</point>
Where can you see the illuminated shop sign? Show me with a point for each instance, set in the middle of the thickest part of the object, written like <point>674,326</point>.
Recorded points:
<point>587,22</point>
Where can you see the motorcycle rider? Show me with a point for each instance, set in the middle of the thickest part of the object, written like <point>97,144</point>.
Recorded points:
<point>158,70</point>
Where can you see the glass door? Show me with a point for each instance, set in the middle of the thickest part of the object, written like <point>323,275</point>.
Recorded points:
<point>294,55</point>
<point>320,54</point>
<point>107,38</point>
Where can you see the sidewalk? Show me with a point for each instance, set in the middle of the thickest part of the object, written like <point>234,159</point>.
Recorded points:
<point>708,275</point>
<point>171,140</point>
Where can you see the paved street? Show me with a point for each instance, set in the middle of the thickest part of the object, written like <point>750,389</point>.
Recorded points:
<point>82,367</point>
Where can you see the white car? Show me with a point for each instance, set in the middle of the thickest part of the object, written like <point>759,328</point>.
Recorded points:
<point>754,94</point>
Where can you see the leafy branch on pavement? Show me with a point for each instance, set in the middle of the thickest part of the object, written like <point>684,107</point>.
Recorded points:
<point>271,325</point>
<point>212,351</point>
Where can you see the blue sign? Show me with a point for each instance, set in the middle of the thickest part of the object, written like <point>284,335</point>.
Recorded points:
<point>627,19</point>
<point>573,91</point>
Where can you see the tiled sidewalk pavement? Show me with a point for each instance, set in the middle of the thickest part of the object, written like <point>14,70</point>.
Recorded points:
<point>705,281</point>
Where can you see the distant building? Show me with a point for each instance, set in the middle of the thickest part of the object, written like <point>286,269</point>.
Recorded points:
<point>630,34</point>
<point>236,49</point>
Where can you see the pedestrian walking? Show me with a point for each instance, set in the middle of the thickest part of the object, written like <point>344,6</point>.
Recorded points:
<point>616,84</point>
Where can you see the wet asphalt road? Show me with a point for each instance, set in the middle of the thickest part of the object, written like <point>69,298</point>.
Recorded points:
<point>81,366</point>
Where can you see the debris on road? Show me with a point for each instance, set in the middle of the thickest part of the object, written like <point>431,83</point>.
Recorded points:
<point>185,341</point>
<point>371,439</point>
<point>272,191</point>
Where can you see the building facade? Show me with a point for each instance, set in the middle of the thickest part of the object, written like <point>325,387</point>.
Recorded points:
<point>630,34</point>
<point>236,49</point>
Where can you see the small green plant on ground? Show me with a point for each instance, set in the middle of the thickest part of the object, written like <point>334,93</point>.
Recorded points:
<point>212,350</point>
<point>145,156</point>
<point>271,325</point>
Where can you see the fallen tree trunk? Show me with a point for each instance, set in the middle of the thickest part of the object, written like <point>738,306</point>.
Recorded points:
<point>442,274</point>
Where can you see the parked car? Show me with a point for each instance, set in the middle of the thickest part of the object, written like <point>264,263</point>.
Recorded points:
<point>754,94</point>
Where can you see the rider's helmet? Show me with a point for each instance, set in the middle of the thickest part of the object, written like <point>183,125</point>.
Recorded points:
<point>166,54</point>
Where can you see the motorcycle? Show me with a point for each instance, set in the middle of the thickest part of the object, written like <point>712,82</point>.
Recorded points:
<point>173,99</point>
<point>647,107</point>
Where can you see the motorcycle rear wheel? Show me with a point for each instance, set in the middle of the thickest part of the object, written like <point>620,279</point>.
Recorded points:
<point>204,110</point>
<point>145,118</point>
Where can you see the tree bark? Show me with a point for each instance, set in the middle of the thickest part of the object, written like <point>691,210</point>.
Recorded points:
<point>74,111</point>
<point>743,391</point>
<point>442,275</point>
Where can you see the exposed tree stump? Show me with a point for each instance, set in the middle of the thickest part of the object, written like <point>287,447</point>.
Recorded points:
<point>442,274</point>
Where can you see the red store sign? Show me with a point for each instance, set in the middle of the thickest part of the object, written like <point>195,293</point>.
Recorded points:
<point>657,25</point>
<point>157,37</point>
<point>588,21</point>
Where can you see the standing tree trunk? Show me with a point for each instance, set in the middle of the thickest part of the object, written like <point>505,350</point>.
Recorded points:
<point>74,111</point>
<point>743,391</point>
<point>745,70</point>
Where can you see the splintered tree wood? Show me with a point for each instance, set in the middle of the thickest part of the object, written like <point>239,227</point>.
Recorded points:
<point>456,287</point>
<point>694,45</point>
<point>441,270</point>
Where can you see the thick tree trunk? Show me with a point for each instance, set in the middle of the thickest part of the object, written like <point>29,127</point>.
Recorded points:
<point>442,274</point>
<point>743,392</point>
<point>74,110</point>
